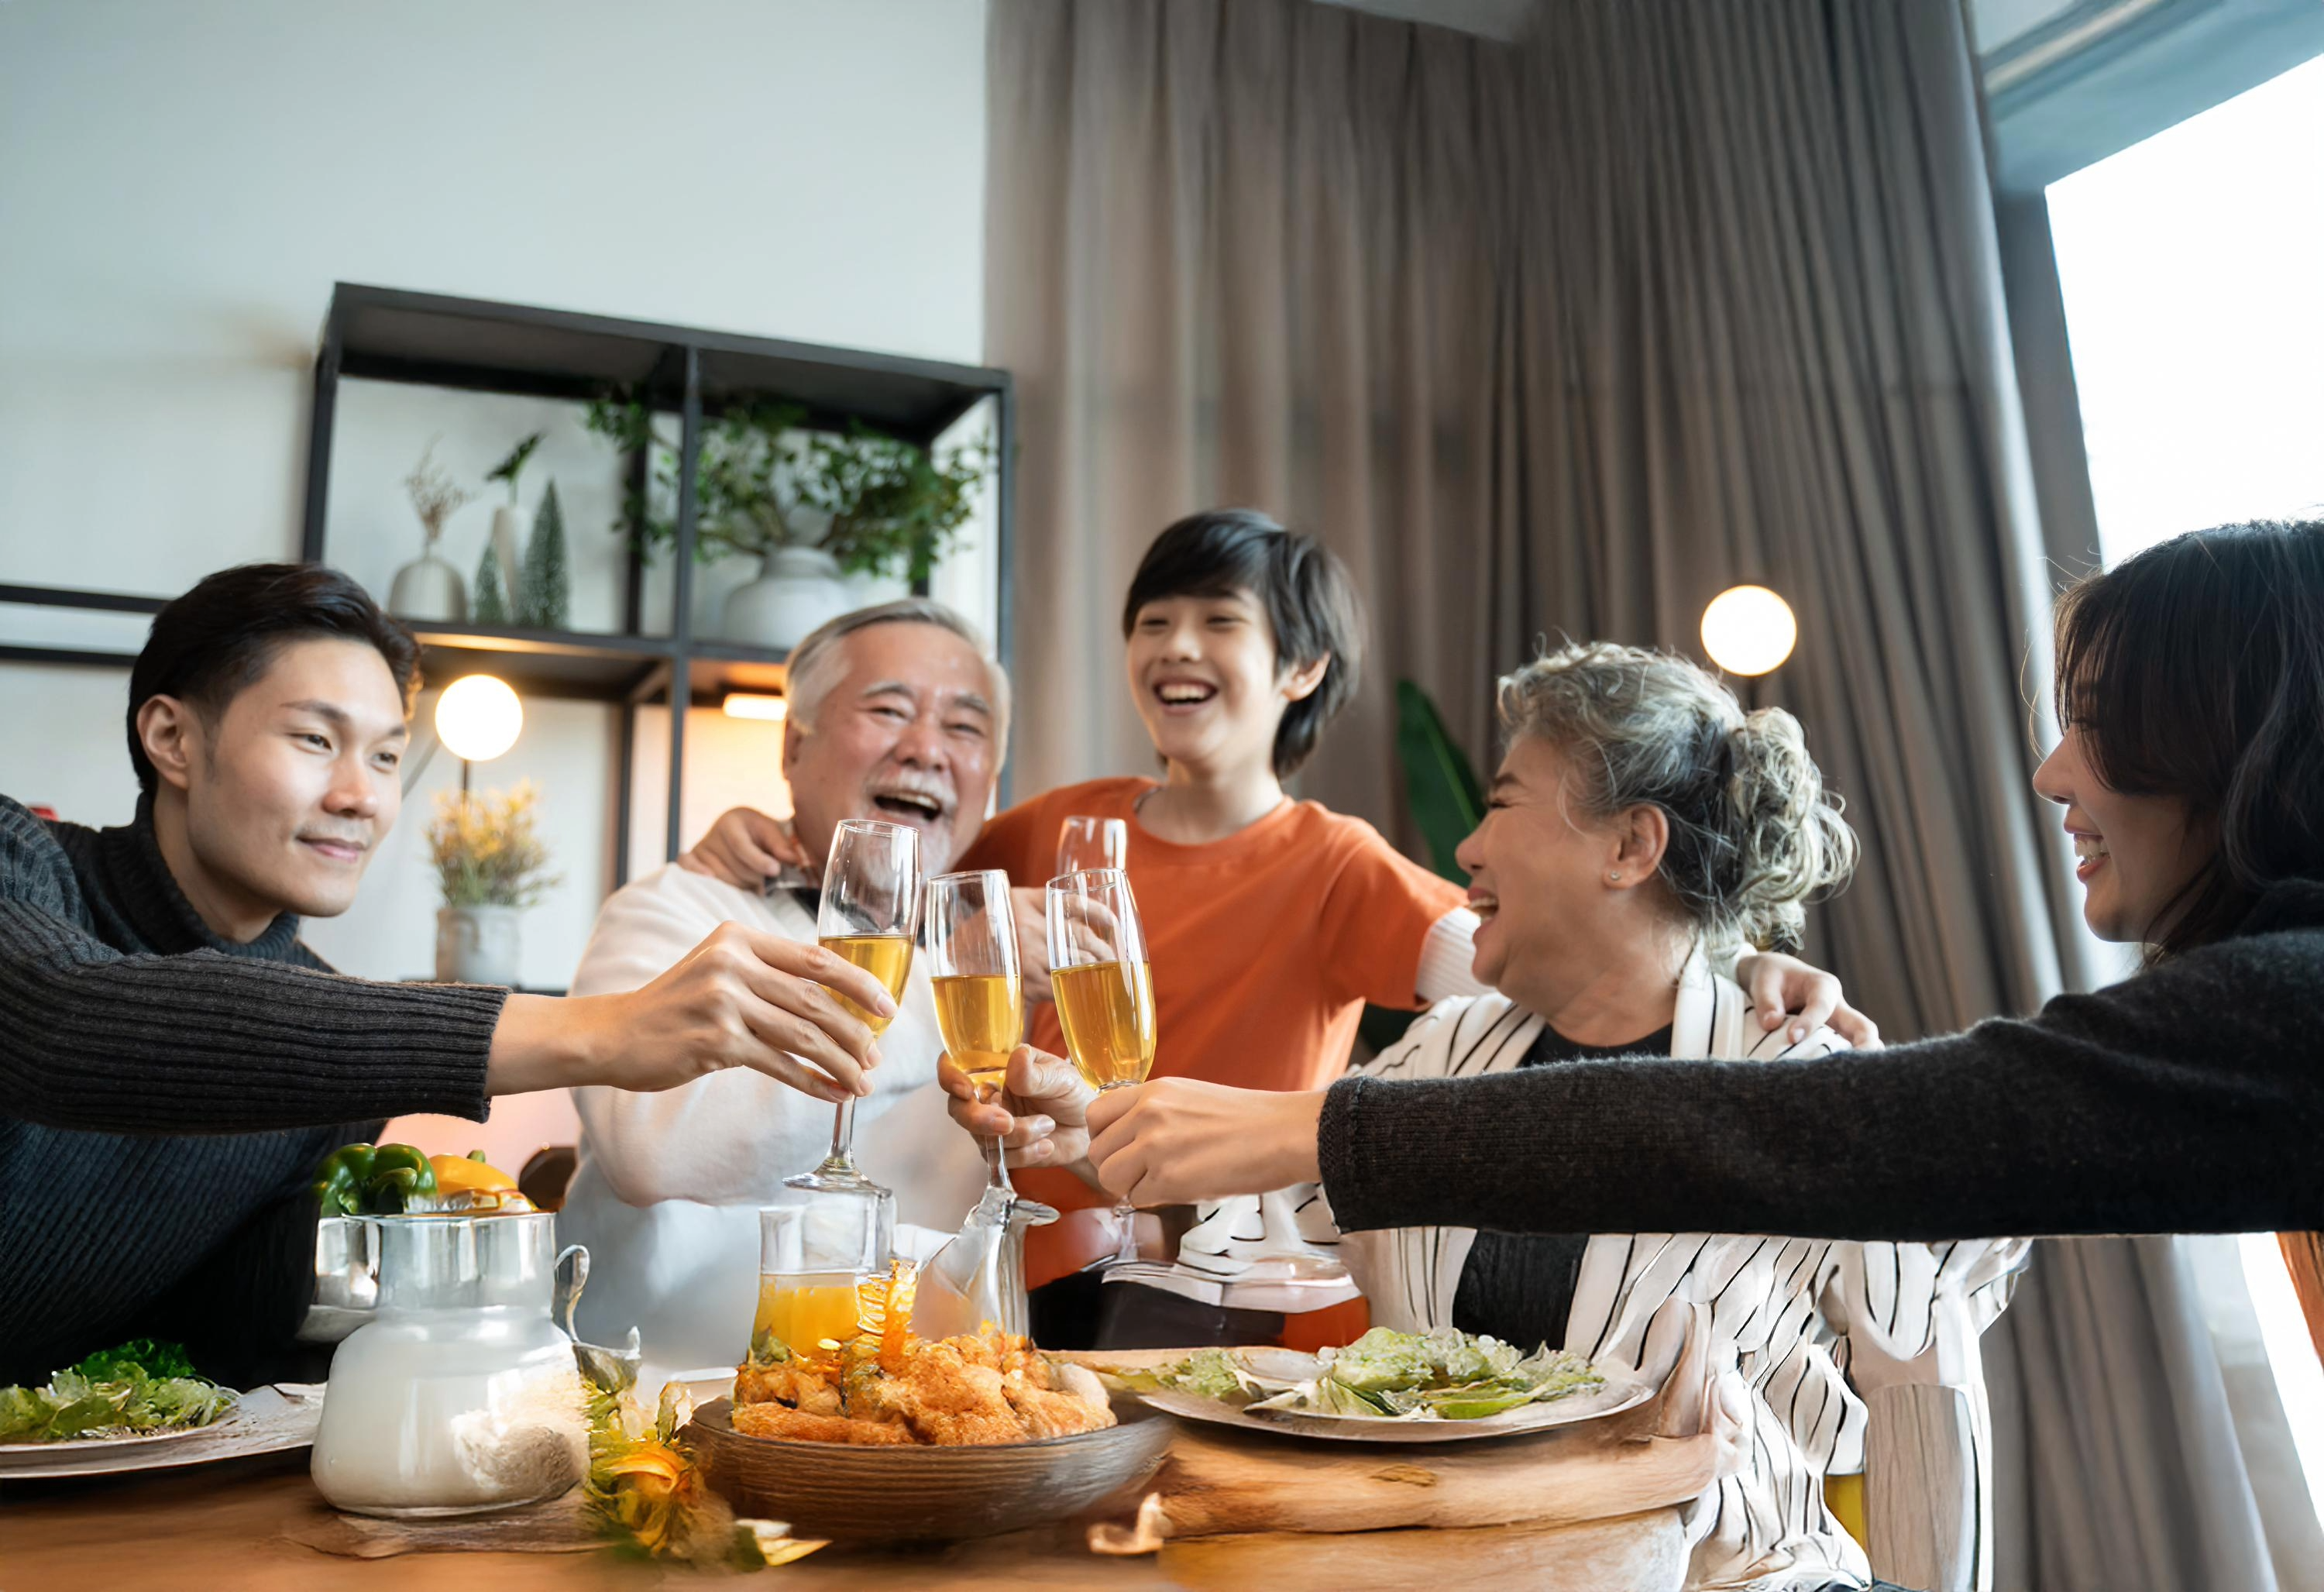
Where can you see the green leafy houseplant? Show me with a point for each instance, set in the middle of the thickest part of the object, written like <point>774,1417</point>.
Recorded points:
<point>877,505</point>
<point>511,467</point>
<point>1447,800</point>
<point>486,849</point>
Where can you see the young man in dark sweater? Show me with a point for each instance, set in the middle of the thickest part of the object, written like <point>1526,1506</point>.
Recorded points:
<point>173,1062</point>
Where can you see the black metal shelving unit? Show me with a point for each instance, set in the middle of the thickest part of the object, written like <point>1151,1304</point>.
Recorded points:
<point>389,335</point>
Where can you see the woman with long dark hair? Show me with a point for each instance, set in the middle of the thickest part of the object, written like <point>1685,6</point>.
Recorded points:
<point>2189,1097</point>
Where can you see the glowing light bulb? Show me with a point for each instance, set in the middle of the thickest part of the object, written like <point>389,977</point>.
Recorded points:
<point>1748,631</point>
<point>753,704</point>
<point>478,717</point>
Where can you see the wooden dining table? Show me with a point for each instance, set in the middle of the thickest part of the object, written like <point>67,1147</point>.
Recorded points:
<point>1588,1511</point>
<point>239,1524</point>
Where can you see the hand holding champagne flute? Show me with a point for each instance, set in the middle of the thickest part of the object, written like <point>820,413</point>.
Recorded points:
<point>869,917</point>
<point>1104,991</point>
<point>980,994</point>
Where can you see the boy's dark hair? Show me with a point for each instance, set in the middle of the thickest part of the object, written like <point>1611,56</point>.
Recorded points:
<point>1308,596</point>
<point>2196,671</point>
<point>212,643</point>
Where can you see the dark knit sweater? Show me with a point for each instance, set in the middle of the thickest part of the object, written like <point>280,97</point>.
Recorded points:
<point>2189,1098</point>
<point>123,1019</point>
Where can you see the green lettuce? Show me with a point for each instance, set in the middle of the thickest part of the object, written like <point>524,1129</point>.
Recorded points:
<point>141,1386</point>
<point>1207,1372</point>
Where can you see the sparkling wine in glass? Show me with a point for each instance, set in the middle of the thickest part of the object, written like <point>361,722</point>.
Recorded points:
<point>870,915</point>
<point>1104,991</point>
<point>980,992</point>
<point>1085,843</point>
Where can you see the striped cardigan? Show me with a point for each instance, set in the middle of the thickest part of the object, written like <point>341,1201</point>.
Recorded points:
<point>1808,1324</point>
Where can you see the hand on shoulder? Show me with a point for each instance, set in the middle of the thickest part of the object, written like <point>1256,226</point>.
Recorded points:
<point>745,848</point>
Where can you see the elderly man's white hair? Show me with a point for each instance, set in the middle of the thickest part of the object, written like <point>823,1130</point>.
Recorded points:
<point>818,663</point>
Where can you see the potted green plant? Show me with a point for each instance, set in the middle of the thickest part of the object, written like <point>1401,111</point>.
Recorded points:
<point>812,507</point>
<point>493,864</point>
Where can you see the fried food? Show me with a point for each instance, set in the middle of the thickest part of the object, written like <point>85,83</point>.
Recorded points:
<point>1077,1403</point>
<point>977,1389</point>
<point>1056,1415</point>
<point>797,1426</point>
<point>947,1399</point>
<point>788,1382</point>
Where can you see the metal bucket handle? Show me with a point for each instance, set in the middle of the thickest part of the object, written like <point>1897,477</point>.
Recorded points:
<point>569,1291</point>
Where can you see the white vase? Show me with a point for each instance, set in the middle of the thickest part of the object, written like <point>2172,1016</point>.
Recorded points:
<point>427,588</point>
<point>476,946</point>
<point>508,540</point>
<point>797,589</point>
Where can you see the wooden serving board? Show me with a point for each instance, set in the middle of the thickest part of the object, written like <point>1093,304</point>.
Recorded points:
<point>1646,1552</point>
<point>1218,1480</point>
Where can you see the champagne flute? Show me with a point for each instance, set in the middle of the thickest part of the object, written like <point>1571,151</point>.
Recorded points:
<point>1104,991</point>
<point>979,990</point>
<point>871,917</point>
<point>1084,842</point>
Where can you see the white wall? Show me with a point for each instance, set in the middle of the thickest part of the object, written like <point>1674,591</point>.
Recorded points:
<point>181,181</point>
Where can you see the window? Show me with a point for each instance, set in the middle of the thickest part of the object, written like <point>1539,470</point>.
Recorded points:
<point>2193,268</point>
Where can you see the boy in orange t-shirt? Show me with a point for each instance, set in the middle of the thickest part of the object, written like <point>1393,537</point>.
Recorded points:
<point>1269,923</point>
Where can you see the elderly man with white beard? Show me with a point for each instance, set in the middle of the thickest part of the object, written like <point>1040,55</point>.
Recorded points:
<point>898,712</point>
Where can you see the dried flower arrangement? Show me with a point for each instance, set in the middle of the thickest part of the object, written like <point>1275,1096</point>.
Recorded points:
<point>486,849</point>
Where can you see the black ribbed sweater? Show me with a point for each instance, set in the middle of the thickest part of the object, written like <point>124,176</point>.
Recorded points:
<point>165,1094</point>
<point>2189,1099</point>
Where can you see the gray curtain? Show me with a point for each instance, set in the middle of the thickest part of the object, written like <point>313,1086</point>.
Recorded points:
<point>1566,338</point>
<point>1559,339</point>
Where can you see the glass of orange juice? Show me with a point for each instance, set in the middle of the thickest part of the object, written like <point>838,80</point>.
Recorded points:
<point>813,1256</point>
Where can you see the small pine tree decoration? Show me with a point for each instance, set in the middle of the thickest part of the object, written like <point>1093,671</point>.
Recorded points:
<point>547,592</point>
<point>492,602</point>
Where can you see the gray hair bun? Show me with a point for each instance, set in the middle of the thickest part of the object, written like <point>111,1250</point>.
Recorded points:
<point>1754,836</point>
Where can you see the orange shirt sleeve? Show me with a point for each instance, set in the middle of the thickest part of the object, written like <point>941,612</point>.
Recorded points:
<point>1376,914</point>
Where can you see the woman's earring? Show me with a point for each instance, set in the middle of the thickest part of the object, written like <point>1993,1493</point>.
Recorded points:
<point>1616,877</point>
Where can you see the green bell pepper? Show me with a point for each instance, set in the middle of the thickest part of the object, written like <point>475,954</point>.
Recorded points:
<point>372,1180</point>
<point>339,1179</point>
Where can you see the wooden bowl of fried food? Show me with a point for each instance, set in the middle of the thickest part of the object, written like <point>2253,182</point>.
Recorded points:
<point>965,1437</point>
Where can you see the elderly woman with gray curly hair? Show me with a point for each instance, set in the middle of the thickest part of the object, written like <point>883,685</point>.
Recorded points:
<point>1642,830</point>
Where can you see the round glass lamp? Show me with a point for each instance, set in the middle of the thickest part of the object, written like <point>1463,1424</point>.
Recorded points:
<point>1748,631</point>
<point>477,719</point>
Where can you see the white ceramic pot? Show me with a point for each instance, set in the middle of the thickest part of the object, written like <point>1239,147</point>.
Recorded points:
<point>797,589</point>
<point>476,946</point>
<point>508,542</point>
<point>427,588</point>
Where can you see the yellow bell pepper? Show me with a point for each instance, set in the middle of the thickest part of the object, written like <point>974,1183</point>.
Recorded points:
<point>460,1175</point>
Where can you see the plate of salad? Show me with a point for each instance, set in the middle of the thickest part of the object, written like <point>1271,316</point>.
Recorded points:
<point>143,1392</point>
<point>142,1406</point>
<point>1390,1387</point>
